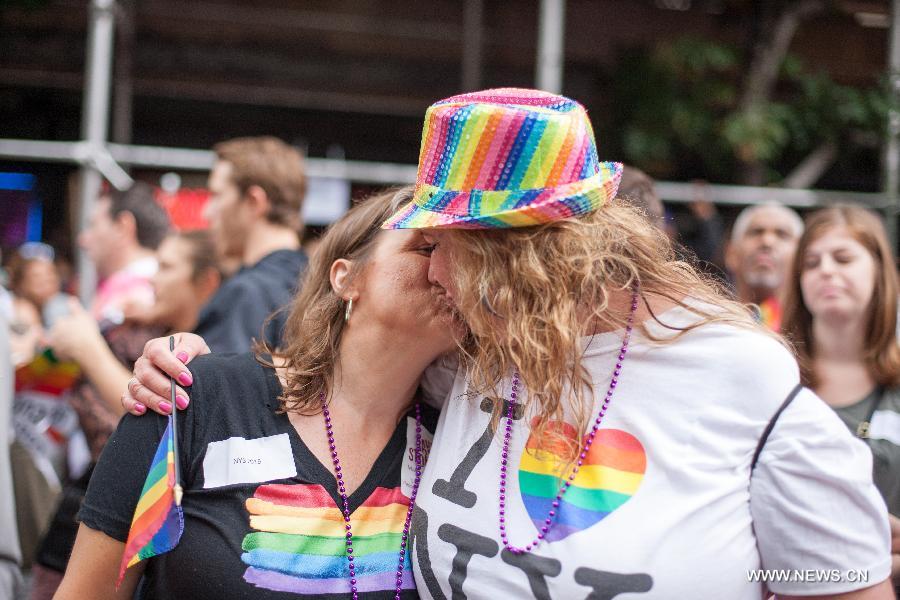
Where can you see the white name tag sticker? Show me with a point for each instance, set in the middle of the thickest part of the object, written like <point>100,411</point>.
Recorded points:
<point>239,460</point>
<point>408,473</point>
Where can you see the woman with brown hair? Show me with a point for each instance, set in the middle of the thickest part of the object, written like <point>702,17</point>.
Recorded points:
<point>35,277</point>
<point>187,277</point>
<point>841,314</point>
<point>618,425</point>
<point>329,426</point>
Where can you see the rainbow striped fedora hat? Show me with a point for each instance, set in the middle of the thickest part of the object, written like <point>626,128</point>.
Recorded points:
<point>506,158</point>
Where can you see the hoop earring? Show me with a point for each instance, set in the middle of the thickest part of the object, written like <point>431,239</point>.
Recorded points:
<point>348,311</point>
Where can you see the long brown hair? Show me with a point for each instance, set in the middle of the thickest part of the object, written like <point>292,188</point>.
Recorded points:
<point>548,282</point>
<point>313,329</point>
<point>880,351</point>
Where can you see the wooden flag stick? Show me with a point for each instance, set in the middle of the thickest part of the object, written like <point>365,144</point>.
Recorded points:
<point>174,418</point>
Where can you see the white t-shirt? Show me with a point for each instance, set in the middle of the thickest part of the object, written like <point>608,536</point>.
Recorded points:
<point>668,508</point>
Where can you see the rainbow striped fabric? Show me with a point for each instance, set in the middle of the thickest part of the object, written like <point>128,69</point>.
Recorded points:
<point>46,374</point>
<point>770,313</point>
<point>610,475</point>
<point>299,542</point>
<point>158,523</point>
<point>506,158</point>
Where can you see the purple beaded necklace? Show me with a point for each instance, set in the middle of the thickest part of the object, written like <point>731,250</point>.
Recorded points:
<point>343,492</point>
<point>513,402</point>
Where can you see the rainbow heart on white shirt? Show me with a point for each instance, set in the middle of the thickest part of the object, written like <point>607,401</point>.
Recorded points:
<point>609,476</point>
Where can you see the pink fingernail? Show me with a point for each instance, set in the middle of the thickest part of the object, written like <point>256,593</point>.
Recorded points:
<point>184,378</point>
<point>165,407</point>
<point>140,408</point>
<point>181,402</point>
<point>182,356</point>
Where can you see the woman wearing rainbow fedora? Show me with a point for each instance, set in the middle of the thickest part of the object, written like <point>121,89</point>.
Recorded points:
<point>618,425</point>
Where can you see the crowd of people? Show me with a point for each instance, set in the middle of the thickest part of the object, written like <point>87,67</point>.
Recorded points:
<point>510,379</point>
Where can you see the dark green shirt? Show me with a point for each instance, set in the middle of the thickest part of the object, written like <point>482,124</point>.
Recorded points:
<point>884,439</point>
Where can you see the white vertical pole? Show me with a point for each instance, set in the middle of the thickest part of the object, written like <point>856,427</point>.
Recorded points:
<point>94,117</point>
<point>551,42</point>
<point>473,40</point>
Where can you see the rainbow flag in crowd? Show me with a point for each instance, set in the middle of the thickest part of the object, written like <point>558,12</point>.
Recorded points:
<point>47,375</point>
<point>770,313</point>
<point>158,521</point>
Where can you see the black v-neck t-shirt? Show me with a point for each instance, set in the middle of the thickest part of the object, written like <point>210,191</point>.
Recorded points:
<point>261,512</point>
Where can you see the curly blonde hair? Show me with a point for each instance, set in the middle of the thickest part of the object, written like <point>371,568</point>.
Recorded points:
<point>530,294</point>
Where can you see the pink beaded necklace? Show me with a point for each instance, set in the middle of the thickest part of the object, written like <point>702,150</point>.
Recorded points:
<point>343,493</point>
<point>504,457</point>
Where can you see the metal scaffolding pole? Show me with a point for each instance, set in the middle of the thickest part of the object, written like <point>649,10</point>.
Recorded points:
<point>187,159</point>
<point>473,40</point>
<point>95,111</point>
<point>891,159</point>
<point>551,42</point>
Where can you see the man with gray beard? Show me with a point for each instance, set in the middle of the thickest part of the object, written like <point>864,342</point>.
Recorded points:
<point>759,256</point>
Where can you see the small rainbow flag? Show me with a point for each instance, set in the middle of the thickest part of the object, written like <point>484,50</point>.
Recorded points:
<point>158,519</point>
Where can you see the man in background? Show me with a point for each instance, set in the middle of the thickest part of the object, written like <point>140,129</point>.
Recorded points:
<point>256,190</point>
<point>759,256</point>
<point>121,240</point>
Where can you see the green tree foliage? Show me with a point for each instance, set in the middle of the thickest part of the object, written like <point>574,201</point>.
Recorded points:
<point>678,112</point>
